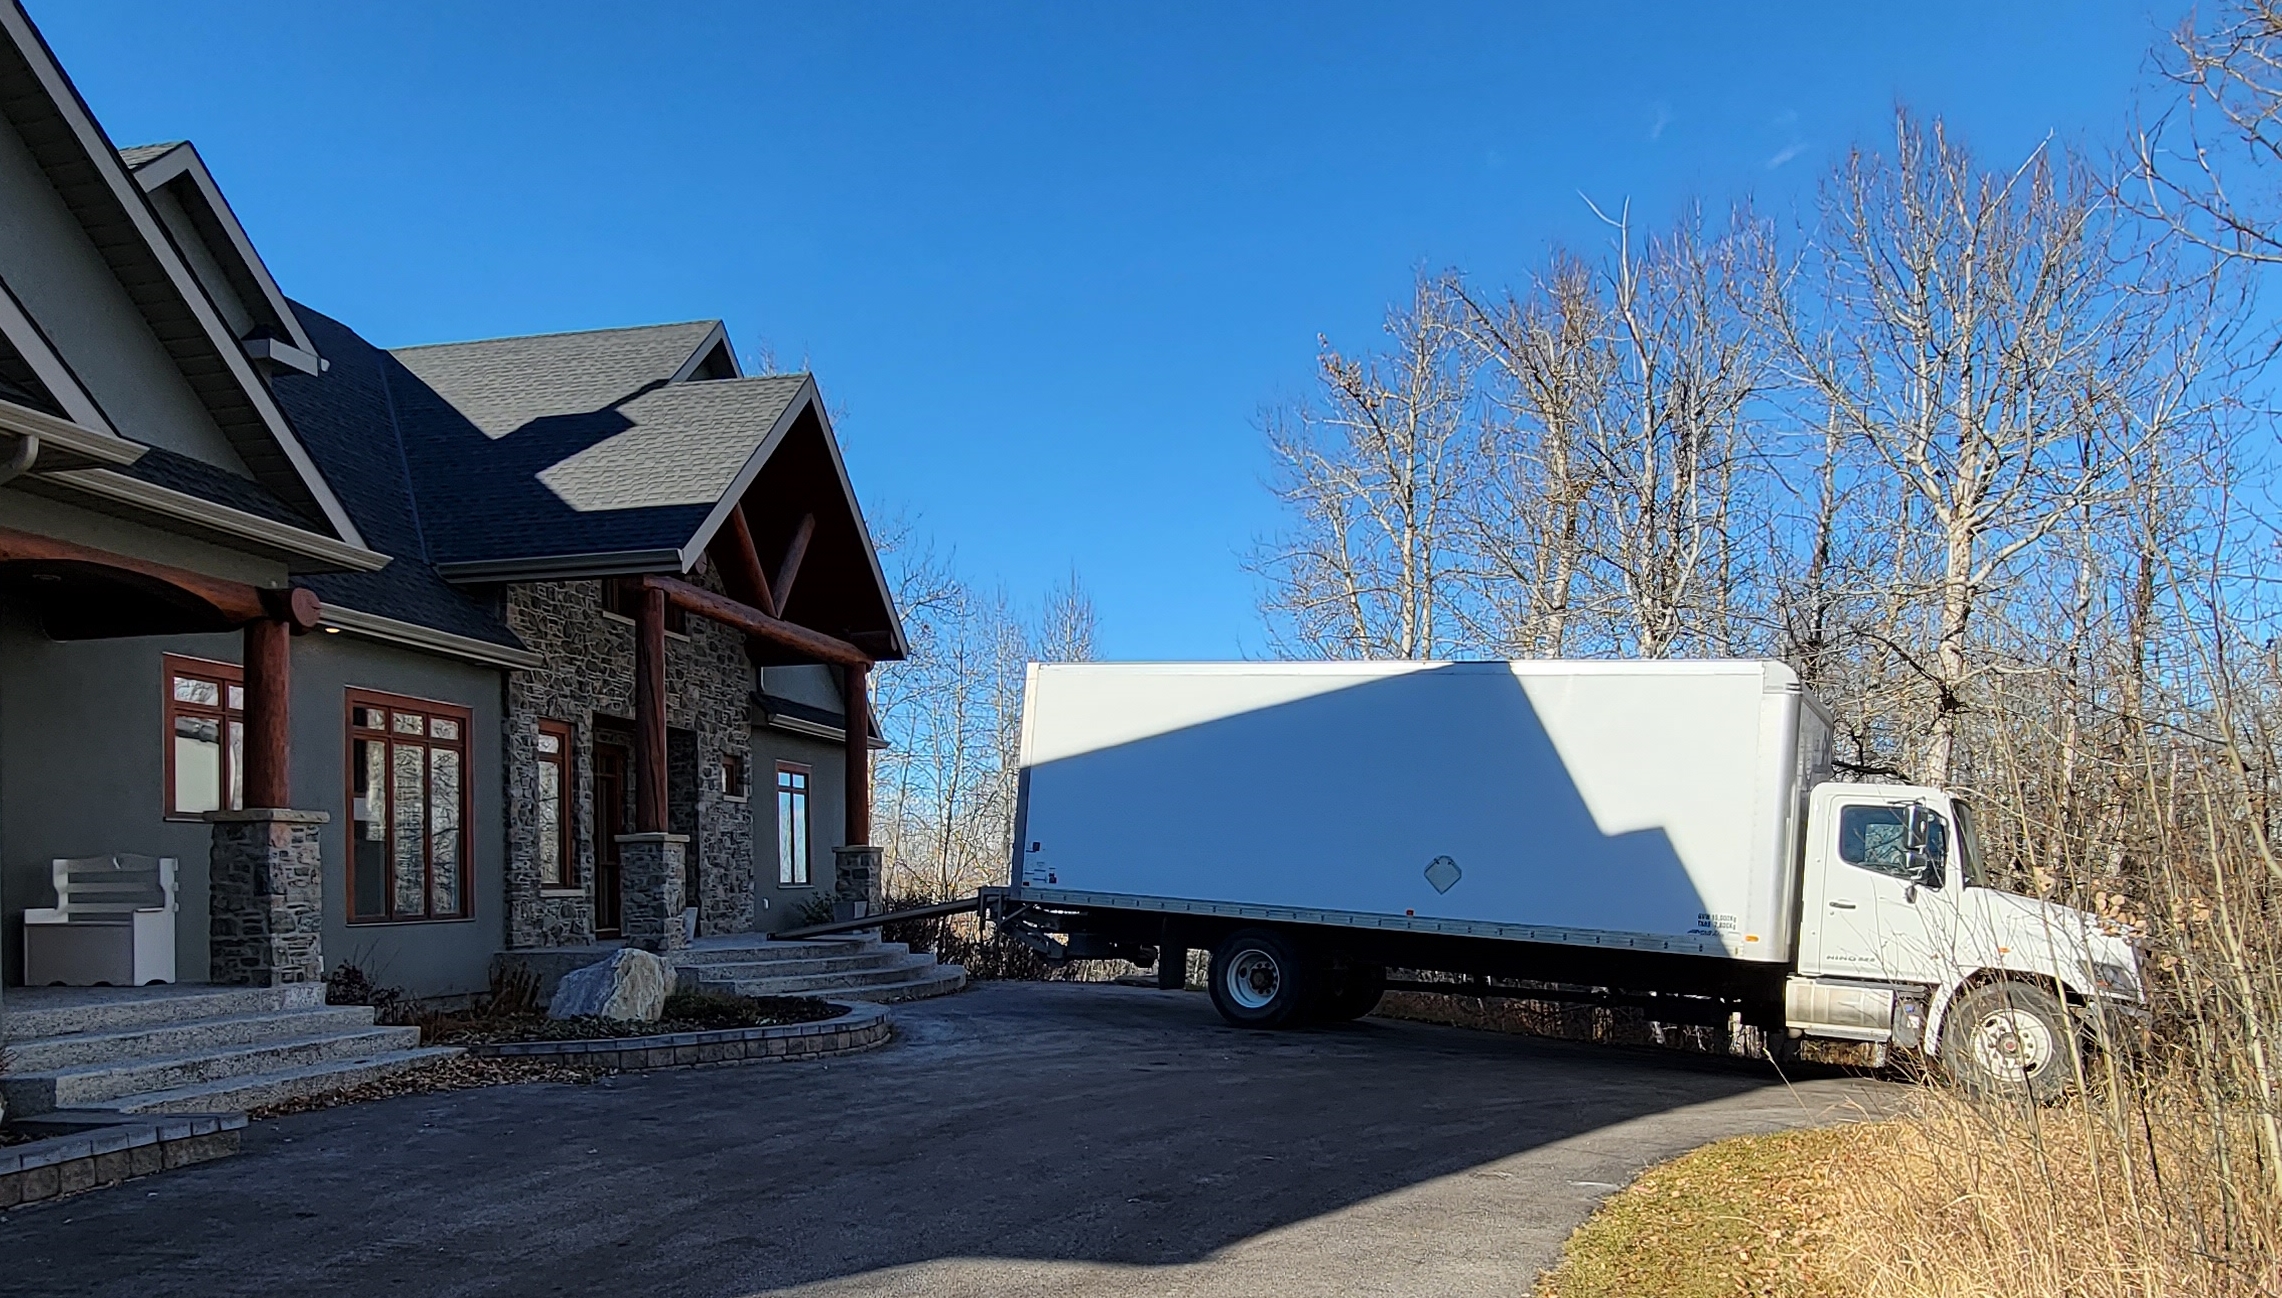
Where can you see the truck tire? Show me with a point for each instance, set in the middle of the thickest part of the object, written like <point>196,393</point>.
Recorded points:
<point>2009,1039</point>
<point>1350,993</point>
<point>1259,980</point>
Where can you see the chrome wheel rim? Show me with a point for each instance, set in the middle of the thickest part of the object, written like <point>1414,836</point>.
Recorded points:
<point>1253,979</point>
<point>2012,1045</point>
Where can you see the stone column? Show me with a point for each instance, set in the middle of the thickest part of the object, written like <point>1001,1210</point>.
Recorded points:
<point>650,887</point>
<point>267,898</point>
<point>856,882</point>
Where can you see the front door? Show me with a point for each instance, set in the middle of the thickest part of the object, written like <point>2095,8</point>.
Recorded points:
<point>610,820</point>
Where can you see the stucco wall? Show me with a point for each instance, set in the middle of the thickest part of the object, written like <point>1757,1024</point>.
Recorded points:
<point>82,768</point>
<point>589,671</point>
<point>827,818</point>
<point>65,284</point>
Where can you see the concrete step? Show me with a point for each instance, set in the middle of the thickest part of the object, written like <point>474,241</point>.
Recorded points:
<point>941,980</point>
<point>165,1040</point>
<point>104,1084</point>
<point>921,977</point>
<point>33,1012</point>
<point>744,948</point>
<point>886,971</point>
<point>792,968</point>
<point>251,1092</point>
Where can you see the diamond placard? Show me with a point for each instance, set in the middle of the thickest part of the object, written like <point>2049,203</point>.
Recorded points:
<point>1443,873</point>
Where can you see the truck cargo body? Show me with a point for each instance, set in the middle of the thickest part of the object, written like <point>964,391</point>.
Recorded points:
<point>1661,834</point>
<point>1635,807</point>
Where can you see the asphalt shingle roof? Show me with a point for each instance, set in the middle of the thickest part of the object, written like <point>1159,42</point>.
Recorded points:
<point>135,155</point>
<point>503,384</point>
<point>344,418</point>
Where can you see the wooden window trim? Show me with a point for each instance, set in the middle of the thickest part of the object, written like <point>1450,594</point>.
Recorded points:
<point>225,674</point>
<point>353,699</point>
<point>807,871</point>
<point>566,818</point>
<point>736,777</point>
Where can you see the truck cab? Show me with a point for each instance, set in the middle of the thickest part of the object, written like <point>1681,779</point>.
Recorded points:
<point>1903,940</point>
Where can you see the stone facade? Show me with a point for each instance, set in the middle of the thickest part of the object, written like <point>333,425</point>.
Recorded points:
<point>855,881</point>
<point>651,867</point>
<point>266,898</point>
<point>589,673</point>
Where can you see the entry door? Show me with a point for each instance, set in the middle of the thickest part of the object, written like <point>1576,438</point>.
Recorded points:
<point>610,820</point>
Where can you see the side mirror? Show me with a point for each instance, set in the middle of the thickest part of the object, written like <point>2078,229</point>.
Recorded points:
<point>1926,846</point>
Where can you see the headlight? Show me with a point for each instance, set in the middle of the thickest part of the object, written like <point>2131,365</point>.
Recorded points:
<point>2120,981</point>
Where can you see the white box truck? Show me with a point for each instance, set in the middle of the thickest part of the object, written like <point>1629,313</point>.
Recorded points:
<point>1659,834</point>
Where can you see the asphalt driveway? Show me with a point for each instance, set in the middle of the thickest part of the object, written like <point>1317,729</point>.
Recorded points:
<point>1049,1139</point>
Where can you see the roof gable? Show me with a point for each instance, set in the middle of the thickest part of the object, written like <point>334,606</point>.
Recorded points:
<point>191,206</point>
<point>70,148</point>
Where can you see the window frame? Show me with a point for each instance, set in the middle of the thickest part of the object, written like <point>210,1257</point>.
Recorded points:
<point>804,875</point>
<point>736,777</point>
<point>351,732</point>
<point>566,806</point>
<point>1901,869</point>
<point>229,676</point>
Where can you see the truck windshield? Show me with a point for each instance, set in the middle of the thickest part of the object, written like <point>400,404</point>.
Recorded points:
<point>1969,846</point>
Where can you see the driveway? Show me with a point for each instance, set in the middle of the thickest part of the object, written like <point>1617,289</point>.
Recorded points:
<point>1020,1138</point>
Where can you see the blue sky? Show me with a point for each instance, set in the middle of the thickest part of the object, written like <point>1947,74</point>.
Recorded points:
<point>1048,262</point>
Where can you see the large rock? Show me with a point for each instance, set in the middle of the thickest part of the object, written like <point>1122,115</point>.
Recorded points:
<point>631,984</point>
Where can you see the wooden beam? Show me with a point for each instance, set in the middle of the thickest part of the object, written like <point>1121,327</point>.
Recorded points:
<point>794,552</point>
<point>236,602</point>
<point>858,752</point>
<point>741,564</point>
<point>269,687</point>
<point>650,715</point>
<point>753,622</point>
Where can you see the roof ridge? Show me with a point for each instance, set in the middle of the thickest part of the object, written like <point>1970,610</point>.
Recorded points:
<point>558,333</point>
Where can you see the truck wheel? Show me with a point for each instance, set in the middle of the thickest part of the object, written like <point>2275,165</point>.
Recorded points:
<point>2009,1038</point>
<point>1352,993</point>
<point>1260,981</point>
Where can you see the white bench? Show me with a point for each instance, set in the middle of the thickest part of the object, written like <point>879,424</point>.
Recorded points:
<point>112,924</point>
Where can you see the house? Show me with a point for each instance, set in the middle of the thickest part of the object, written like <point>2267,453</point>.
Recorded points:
<point>419,658</point>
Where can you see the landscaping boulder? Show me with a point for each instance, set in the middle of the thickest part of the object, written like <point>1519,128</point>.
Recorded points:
<point>631,984</point>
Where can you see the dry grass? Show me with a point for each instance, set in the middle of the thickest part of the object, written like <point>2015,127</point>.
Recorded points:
<point>1952,1200</point>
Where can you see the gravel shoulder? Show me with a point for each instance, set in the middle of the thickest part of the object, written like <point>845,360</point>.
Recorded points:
<point>1018,1138</point>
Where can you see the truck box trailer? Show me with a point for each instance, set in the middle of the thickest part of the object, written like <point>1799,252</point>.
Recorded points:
<point>1666,834</point>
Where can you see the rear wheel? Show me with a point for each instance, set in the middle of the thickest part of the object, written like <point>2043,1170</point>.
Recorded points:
<point>1260,981</point>
<point>2009,1038</point>
<point>1352,992</point>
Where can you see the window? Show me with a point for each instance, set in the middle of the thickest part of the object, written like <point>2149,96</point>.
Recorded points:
<point>1877,838</point>
<point>792,824</point>
<point>205,737</point>
<point>623,596</point>
<point>733,776</point>
<point>554,806</point>
<point>408,807</point>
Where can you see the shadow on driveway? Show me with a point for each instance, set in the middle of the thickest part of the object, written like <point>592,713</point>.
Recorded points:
<point>1051,1138</point>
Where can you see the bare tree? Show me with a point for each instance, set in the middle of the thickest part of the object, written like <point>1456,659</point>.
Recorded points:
<point>1525,521</point>
<point>1370,475</point>
<point>1968,329</point>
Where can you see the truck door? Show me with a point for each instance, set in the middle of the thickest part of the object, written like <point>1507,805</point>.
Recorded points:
<point>1916,925</point>
<point>1882,916</point>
